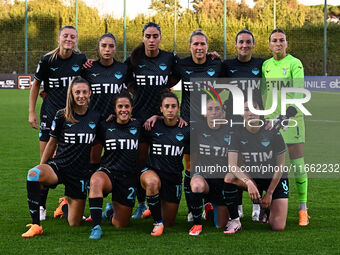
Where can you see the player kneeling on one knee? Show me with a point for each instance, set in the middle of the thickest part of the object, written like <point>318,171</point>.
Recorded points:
<point>267,150</point>
<point>162,177</point>
<point>118,168</point>
<point>71,163</point>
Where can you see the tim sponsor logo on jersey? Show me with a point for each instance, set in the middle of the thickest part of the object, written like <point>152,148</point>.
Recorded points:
<point>122,144</point>
<point>152,80</point>
<point>107,88</point>
<point>73,138</point>
<point>167,150</point>
<point>198,85</point>
<point>210,150</point>
<point>257,156</point>
<point>61,82</point>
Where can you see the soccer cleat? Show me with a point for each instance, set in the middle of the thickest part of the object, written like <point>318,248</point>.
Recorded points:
<point>233,226</point>
<point>240,211</point>
<point>96,232</point>
<point>303,218</point>
<point>264,215</point>
<point>108,212</point>
<point>255,216</point>
<point>139,211</point>
<point>42,212</point>
<point>88,219</point>
<point>58,213</point>
<point>208,213</point>
<point>34,230</point>
<point>195,230</point>
<point>146,213</point>
<point>157,229</point>
<point>190,217</point>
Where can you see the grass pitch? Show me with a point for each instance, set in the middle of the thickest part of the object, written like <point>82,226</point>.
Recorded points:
<point>20,151</point>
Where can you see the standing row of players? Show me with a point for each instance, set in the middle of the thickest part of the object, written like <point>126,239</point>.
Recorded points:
<point>148,71</point>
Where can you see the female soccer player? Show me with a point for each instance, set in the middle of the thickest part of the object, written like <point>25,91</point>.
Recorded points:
<point>198,65</point>
<point>150,69</point>
<point>162,177</point>
<point>73,131</point>
<point>107,77</point>
<point>243,66</point>
<point>259,150</point>
<point>56,69</point>
<point>118,168</point>
<point>210,145</point>
<point>283,67</point>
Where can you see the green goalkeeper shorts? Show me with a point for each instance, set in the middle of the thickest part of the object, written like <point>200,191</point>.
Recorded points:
<point>296,134</point>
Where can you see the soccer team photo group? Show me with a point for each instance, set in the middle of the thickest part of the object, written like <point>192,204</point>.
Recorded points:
<point>162,147</point>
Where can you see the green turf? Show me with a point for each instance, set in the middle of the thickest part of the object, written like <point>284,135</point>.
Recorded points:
<point>20,151</point>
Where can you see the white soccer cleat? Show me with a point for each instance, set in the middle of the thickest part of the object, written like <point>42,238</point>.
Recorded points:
<point>42,212</point>
<point>240,211</point>
<point>233,226</point>
<point>255,216</point>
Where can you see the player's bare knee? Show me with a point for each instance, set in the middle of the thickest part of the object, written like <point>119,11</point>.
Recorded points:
<point>229,178</point>
<point>152,185</point>
<point>197,185</point>
<point>96,182</point>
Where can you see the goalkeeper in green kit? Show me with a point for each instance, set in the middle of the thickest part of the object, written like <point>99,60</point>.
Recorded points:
<point>285,70</point>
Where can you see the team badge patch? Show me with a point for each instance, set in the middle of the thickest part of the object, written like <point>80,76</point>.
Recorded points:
<point>162,67</point>
<point>227,139</point>
<point>92,125</point>
<point>179,136</point>
<point>75,68</point>
<point>211,72</point>
<point>255,71</point>
<point>244,141</point>
<point>188,72</point>
<point>118,75</point>
<point>265,143</point>
<point>284,71</point>
<point>133,130</point>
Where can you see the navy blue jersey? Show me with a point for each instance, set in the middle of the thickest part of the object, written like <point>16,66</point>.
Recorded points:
<point>260,149</point>
<point>120,145</point>
<point>234,68</point>
<point>56,76</point>
<point>150,77</point>
<point>106,81</point>
<point>75,141</point>
<point>167,146</point>
<point>186,69</point>
<point>210,146</point>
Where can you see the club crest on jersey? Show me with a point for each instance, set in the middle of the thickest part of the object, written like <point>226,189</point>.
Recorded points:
<point>141,66</point>
<point>179,136</point>
<point>118,75</point>
<point>111,129</point>
<point>227,139</point>
<point>284,71</point>
<point>92,125</point>
<point>255,71</point>
<point>265,143</point>
<point>162,67</point>
<point>54,68</point>
<point>133,130</point>
<point>189,72</point>
<point>244,141</point>
<point>53,125</point>
<point>69,124</point>
<point>75,68</point>
<point>211,72</point>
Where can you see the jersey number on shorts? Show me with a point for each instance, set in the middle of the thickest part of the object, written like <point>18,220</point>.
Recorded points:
<point>84,186</point>
<point>132,192</point>
<point>179,191</point>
